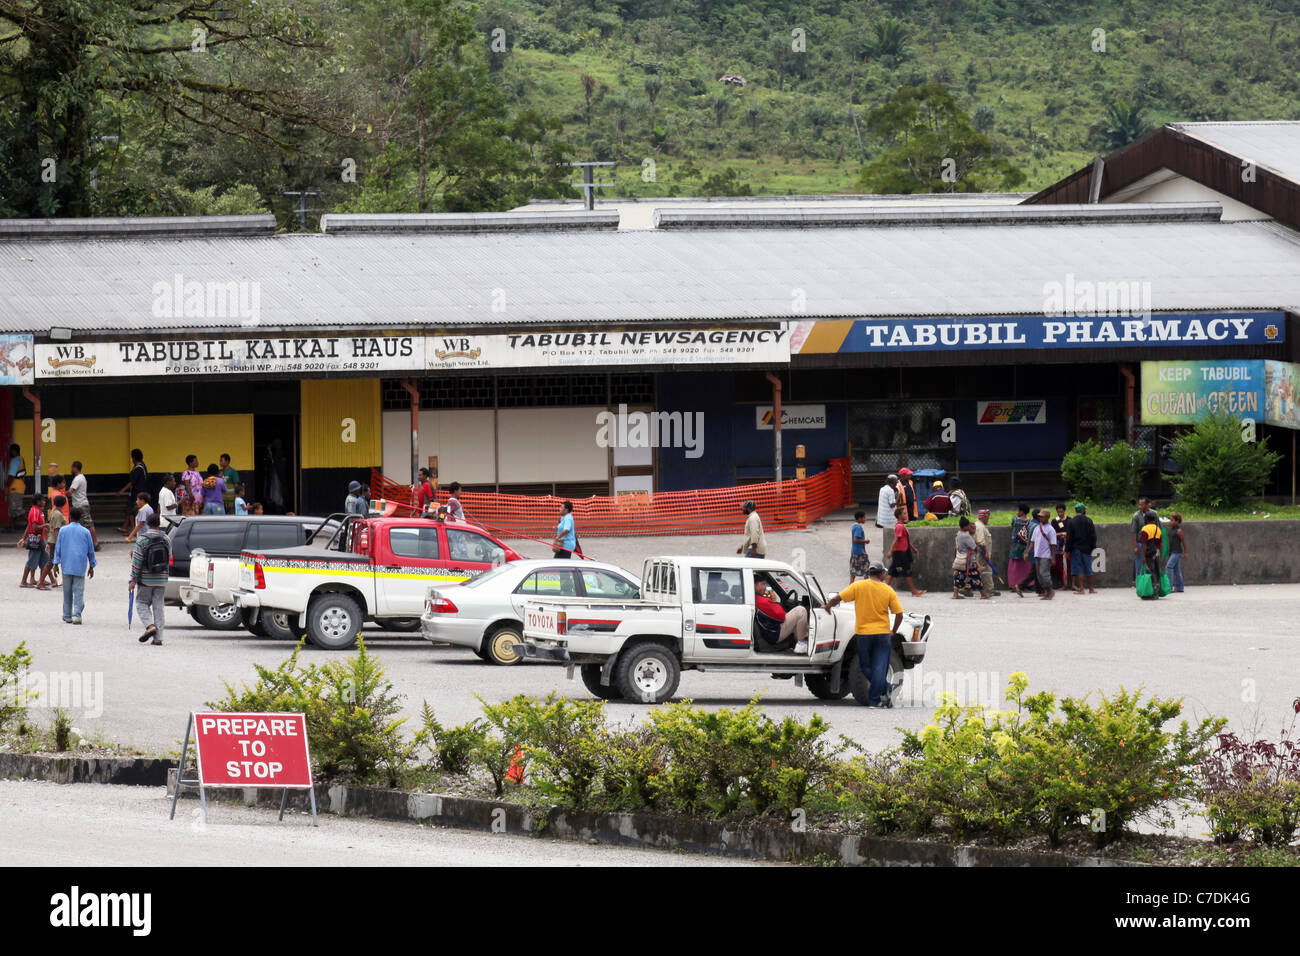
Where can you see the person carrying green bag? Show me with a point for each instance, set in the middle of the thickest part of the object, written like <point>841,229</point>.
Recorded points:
<point>1151,583</point>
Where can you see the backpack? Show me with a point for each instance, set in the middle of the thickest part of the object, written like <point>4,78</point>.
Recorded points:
<point>157,555</point>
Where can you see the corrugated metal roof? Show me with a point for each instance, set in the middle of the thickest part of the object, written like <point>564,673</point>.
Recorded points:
<point>1273,144</point>
<point>713,275</point>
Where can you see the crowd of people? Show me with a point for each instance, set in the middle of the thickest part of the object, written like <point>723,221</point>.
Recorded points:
<point>59,534</point>
<point>1047,554</point>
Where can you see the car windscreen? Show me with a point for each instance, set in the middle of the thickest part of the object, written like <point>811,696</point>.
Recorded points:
<point>497,572</point>
<point>217,537</point>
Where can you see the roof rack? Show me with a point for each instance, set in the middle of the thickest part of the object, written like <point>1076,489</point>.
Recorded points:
<point>342,224</point>
<point>950,215</point>
<point>145,227</point>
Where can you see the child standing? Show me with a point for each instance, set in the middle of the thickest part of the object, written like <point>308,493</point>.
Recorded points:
<point>1177,548</point>
<point>241,506</point>
<point>900,561</point>
<point>858,542</point>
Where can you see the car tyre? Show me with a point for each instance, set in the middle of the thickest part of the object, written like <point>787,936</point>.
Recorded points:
<point>278,625</point>
<point>403,624</point>
<point>820,685</point>
<point>591,680</point>
<point>221,617</point>
<point>334,621</point>
<point>860,687</point>
<point>496,646</point>
<point>647,673</point>
<point>255,628</point>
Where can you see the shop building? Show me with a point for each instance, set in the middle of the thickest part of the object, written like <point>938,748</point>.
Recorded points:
<point>978,337</point>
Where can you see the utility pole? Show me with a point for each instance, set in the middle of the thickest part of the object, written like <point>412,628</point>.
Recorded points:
<point>587,185</point>
<point>302,207</point>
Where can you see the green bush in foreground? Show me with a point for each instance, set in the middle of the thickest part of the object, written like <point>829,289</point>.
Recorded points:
<point>350,710</point>
<point>14,696</point>
<point>1044,766</point>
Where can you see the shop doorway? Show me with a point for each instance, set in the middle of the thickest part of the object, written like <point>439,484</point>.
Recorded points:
<point>275,443</point>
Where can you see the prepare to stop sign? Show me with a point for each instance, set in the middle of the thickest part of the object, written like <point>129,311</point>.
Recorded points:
<point>252,750</point>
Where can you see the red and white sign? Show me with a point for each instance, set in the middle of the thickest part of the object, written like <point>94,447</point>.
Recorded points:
<point>252,750</point>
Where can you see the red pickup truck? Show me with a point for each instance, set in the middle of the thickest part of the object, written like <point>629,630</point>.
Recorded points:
<point>374,569</point>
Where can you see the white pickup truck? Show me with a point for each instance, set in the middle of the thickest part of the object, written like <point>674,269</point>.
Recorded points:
<point>699,613</point>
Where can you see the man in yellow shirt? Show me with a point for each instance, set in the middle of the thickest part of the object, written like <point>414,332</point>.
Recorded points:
<point>873,599</point>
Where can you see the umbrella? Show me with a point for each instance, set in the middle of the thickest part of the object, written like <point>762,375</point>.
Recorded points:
<point>130,605</point>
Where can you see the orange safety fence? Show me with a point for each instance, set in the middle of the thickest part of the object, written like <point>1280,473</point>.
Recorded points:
<point>781,505</point>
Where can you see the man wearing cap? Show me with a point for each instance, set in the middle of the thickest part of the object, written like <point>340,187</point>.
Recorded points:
<point>754,545</point>
<point>1041,539</point>
<point>984,547</point>
<point>886,502</point>
<point>908,490</point>
<point>356,503</point>
<point>1080,542</point>
<point>938,504</point>
<point>873,599</point>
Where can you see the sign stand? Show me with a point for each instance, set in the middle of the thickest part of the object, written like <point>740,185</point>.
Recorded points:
<point>290,725</point>
<point>180,775</point>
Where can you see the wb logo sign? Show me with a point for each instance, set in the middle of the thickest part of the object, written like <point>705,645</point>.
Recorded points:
<point>70,351</point>
<point>456,345</point>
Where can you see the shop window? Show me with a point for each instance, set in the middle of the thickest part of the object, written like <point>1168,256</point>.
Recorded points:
<point>887,435</point>
<point>1097,420</point>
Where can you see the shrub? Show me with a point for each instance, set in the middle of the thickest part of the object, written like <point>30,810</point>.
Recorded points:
<point>350,709</point>
<point>1094,473</point>
<point>1218,468</point>
<point>14,696</point>
<point>62,730</point>
<point>1253,789</point>
<point>564,739</point>
<point>724,760</point>
<point>1053,767</point>
<point>452,747</point>
<point>631,760</point>
<point>498,754</point>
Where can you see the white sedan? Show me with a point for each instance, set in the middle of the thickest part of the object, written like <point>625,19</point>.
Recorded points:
<point>485,613</point>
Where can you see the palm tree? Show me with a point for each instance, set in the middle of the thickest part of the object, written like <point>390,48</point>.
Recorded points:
<point>890,41</point>
<point>653,85</point>
<point>1123,124</point>
<point>588,87</point>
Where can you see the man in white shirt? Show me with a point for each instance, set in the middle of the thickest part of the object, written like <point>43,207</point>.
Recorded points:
<point>167,497</point>
<point>755,544</point>
<point>885,506</point>
<point>79,498</point>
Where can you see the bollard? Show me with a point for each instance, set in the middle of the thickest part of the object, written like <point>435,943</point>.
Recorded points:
<point>801,495</point>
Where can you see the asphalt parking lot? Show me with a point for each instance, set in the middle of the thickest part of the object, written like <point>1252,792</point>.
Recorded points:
<point>1233,651</point>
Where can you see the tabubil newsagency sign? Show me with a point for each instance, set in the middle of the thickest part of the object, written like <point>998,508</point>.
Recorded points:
<point>252,354</point>
<point>1037,332</point>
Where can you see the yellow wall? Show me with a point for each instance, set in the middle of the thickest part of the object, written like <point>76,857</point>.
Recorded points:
<point>325,405</point>
<point>103,445</point>
<point>167,439</point>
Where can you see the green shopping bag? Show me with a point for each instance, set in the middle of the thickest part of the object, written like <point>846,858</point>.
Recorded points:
<point>1144,587</point>
<point>1165,586</point>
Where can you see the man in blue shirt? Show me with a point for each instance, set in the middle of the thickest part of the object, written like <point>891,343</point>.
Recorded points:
<point>566,537</point>
<point>74,553</point>
<point>858,546</point>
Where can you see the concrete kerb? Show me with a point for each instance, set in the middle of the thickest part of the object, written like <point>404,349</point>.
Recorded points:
<point>646,830</point>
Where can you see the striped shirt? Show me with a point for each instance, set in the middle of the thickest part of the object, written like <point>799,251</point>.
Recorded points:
<point>138,573</point>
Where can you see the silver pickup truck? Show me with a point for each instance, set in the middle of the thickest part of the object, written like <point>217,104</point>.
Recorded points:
<point>699,613</point>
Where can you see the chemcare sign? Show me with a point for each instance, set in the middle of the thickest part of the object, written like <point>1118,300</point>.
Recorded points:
<point>792,416</point>
<point>629,347</point>
<point>246,355</point>
<point>252,750</point>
